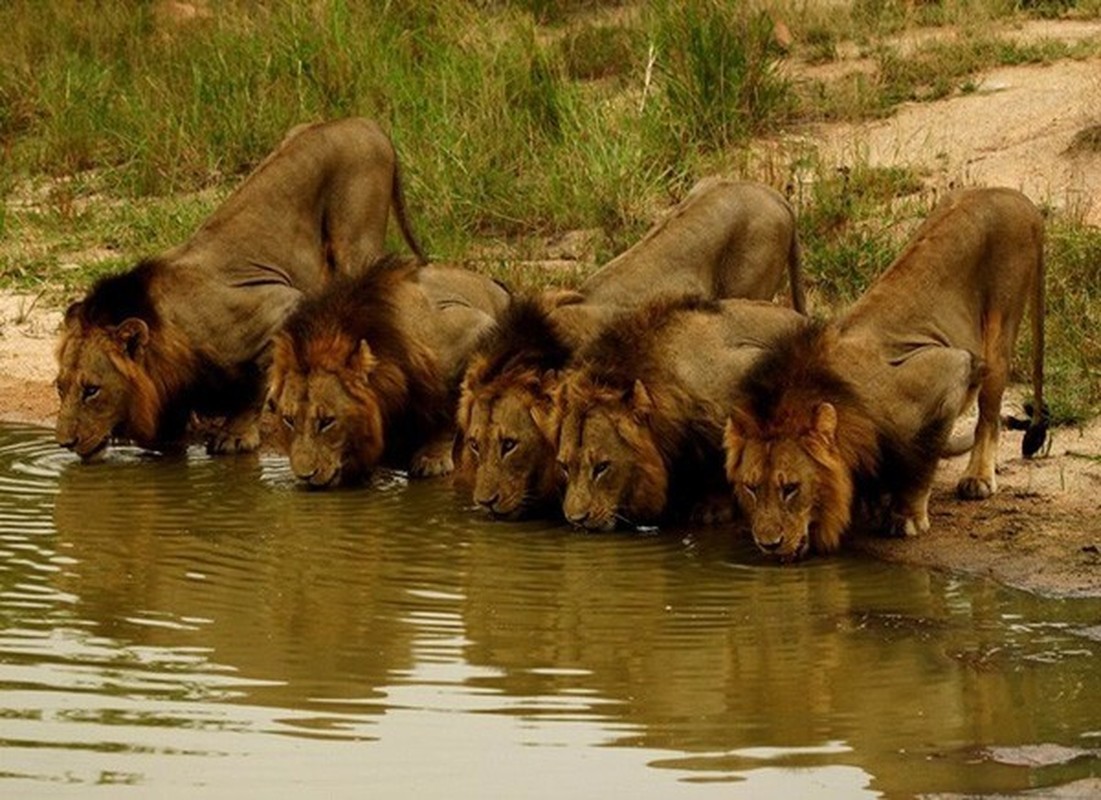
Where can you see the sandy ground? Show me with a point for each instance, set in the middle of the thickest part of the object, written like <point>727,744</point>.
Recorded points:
<point>1042,531</point>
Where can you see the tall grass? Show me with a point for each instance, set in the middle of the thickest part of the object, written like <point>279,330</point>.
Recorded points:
<point>513,119</point>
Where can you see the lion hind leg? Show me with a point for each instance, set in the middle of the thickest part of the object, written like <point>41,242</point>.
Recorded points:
<point>978,481</point>
<point>434,458</point>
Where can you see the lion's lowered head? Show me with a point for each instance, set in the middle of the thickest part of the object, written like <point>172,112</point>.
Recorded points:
<point>631,441</point>
<point>118,366</point>
<point>349,384</point>
<point>795,443</point>
<point>504,414</point>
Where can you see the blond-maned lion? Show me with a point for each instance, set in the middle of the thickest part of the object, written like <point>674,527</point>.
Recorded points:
<point>638,417</point>
<point>857,411</point>
<point>366,374</point>
<point>187,333</point>
<point>725,239</point>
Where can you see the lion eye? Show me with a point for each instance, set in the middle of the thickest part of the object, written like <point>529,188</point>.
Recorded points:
<point>564,469</point>
<point>789,491</point>
<point>507,446</point>
<point>89,391</point>
<point>750,489</point>
<point>271,405</point>
<point>600,468</point>
<point>288,420</point>
<point>473,445</point>
<point>324,423</point>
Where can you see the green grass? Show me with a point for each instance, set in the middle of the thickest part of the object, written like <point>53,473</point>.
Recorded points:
<point>515,120</point>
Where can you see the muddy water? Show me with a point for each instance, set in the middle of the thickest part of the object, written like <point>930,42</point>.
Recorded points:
<point>204,625</point>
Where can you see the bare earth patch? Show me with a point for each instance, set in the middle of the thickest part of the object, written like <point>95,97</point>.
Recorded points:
<point>1042,531</point>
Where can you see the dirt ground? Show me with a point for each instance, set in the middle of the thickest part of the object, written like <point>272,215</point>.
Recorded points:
<point>1042,531</point>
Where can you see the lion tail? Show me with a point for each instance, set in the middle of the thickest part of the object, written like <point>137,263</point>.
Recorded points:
<point>795,274</point>
<point>397,199</point>
<point>1039,415</point>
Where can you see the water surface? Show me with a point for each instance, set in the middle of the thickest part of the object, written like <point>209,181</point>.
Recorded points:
<point>203,625</point>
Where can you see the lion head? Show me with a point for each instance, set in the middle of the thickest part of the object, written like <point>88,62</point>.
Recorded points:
<point>505,405</point>
<point>330,419</point>
<point>795,489</point>
<point>350,385</point>
<point>118,366</point>
<point>795,442</point>
<point>609,455</point>
<point>100,372</point>
<point>506,443</point>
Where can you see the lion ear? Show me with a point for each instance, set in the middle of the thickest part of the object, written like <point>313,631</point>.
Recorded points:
<point>640,402</point>
<point>361,360</point>
<point>132,334</point>
<point>735,434</point>
<point>825,421</point>
<point>548,410</point>
<point>72,313</point>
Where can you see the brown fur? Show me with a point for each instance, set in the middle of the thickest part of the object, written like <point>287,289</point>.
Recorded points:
<point>726,239</point>
<point>505,399</point>
<point>187,333</point>
<point>364,375</point>
<point>861,409</point>
<point>639,436</point>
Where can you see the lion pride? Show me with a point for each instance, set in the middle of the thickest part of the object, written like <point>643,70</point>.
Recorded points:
<point>366,374</point>
<point>725,239</point>
<point>187,333</point>
<point>638,416</point>
<point>856,412</point>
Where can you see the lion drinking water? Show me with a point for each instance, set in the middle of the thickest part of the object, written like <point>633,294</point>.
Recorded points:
<point>859,410</point>
<point>187,332</point>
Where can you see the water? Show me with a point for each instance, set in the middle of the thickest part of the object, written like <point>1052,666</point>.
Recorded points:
<point>205,626</point>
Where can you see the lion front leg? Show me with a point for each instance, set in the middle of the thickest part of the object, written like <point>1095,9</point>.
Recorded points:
<point>239,434</point>
<point>910,512</point>
<point>434,458</point>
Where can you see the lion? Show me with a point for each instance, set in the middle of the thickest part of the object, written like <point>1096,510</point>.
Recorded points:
<point>366,374</point>
<point>854,413</point>
<point>726,239</point>
<point>638,416</point>
<point>187,333</point>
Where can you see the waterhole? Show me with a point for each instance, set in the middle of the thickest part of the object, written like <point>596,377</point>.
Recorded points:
<point>204,625</point>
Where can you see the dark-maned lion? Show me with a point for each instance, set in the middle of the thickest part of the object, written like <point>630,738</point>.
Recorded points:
<point>187,332</point>
<point>859,410</point>
<point>639,415</point>
<point>366,374</point>
<point>725,239</point>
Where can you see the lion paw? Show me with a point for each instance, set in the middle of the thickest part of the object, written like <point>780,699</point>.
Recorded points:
<point>905,527</point>
<point>715,511</point>
<point>431,465</point>
<point>234,438</point>
<point>972,488</point>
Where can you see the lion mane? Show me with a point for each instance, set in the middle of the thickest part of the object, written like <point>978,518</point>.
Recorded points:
<point>508,385</point>
<point>358,332</point>
<point>796,392</point>
<point>674,435</point>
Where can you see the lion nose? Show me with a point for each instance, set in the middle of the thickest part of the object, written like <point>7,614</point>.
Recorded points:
<point>578,520</point>
<point>489,503</point>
